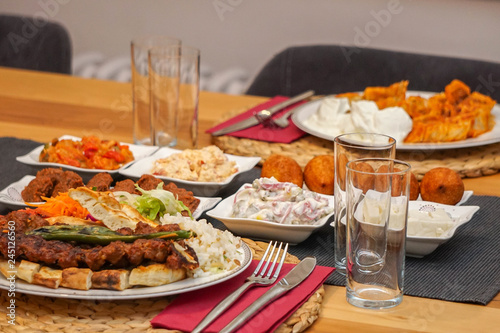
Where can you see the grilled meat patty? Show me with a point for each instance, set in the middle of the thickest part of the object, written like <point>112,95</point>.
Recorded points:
<point>115,255</point>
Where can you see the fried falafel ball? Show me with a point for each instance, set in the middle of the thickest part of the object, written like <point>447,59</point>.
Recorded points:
<point>319,174</point>
<point>284,169</point>
<point>442,185</point>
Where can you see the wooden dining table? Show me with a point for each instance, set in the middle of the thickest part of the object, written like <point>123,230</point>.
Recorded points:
<point>42,106</point>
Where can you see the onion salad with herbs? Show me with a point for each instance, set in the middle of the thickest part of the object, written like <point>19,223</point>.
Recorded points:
<point>285,203</point>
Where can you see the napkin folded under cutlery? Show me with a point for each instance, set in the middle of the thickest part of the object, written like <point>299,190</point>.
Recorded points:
<point>188,309</point>
<point>260,132</point>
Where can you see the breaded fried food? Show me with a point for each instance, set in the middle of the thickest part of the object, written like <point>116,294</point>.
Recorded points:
<point>442,185</point>
<point>363,179</point>
<point>414,187</point>
<point>283,168</point>
<point>319,174</point>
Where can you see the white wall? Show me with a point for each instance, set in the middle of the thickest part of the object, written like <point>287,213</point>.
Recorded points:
<point>247,33</point>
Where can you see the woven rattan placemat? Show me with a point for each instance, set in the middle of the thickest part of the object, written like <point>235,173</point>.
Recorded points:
<point>468,162</point>
<point>48,314</point>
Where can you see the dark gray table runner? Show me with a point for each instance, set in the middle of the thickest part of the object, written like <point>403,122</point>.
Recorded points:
<point>464,269</point>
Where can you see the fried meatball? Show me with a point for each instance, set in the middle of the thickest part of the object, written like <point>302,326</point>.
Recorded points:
<point>126,185</point>
<point>55,174</point>
<point>442,185</point>
<point>41,186</point>
<point>100,182</point>
<point>319,174</point>
<point>68,181</point>
<point>285,169</point>
<point>148,182</point>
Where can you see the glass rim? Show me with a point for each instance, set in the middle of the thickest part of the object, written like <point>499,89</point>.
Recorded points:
<point>175,51</point>
<point>390,144</point>
<point>143,41</point>
<point>395,161</point>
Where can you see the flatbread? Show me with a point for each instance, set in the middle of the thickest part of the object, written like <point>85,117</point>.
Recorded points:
<point>77,278</point>
<point>155,275</point>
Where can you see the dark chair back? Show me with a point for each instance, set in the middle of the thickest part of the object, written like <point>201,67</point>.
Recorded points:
<point>331,69</point>
<point>35,44</point>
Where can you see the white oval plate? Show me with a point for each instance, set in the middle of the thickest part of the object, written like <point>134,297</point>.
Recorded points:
<point>143,166</point>
<point>11,197</point>
<point>175,288</point>
<point>32,158</point>
<point>265,230</point>
<point>306,110</point>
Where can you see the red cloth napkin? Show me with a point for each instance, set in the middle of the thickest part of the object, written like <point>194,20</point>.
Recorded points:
<point>189,309</point>
<point>259,132</point>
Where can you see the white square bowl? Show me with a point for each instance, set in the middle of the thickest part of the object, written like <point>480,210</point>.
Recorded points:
<point>265,230</point>
<point>207,189</point>
<point>419,246</point>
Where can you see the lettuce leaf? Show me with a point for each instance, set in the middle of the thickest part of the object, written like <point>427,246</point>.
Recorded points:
<point>158,202</point>
<point>155,203</point>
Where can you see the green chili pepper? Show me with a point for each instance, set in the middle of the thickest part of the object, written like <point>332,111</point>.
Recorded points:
<point>101,235</point>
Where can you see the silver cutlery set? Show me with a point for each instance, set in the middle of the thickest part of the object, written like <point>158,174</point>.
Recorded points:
<point>262,276</point>
<point>265,116</point>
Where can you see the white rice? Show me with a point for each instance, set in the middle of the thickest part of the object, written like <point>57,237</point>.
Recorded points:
<point>218,251</point>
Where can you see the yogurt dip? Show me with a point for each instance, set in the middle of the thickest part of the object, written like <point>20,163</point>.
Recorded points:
<point>429,224</point>
<point>336,116</point>
<point>286,203</point>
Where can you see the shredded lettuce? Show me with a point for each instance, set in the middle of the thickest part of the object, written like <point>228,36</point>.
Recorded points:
<point>155,203</point>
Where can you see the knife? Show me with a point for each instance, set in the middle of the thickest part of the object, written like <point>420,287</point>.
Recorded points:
<point>252,121</point>
<point>298,274</point>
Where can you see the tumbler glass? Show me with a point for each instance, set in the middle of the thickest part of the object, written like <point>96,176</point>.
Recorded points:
<point>377,195</point>
<point>140,47</point>
<point>348,147</point>
<point>174,81</point>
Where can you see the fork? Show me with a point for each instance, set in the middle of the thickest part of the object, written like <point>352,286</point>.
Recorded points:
<point>265,117</point>
<point>258,277</point>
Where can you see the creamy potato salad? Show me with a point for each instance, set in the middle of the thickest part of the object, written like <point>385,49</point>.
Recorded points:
<point>208,164</point>
<point>286,203</point>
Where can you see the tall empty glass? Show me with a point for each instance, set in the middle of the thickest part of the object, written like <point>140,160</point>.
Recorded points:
<point>174,79</point>
<point>164,75</point>
<point>377,195</point>
<point>140,84</point>
<point>348,147</point>
<point>187,114</point>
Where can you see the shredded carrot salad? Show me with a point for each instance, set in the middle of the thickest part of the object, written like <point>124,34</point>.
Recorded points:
<point>62,205</point>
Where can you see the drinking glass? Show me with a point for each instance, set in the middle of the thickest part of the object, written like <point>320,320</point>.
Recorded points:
<point>377,195</point>
<point>140,85</point>
<point>187,114</point>
<point>174,80</point>
<point>348,147</point>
